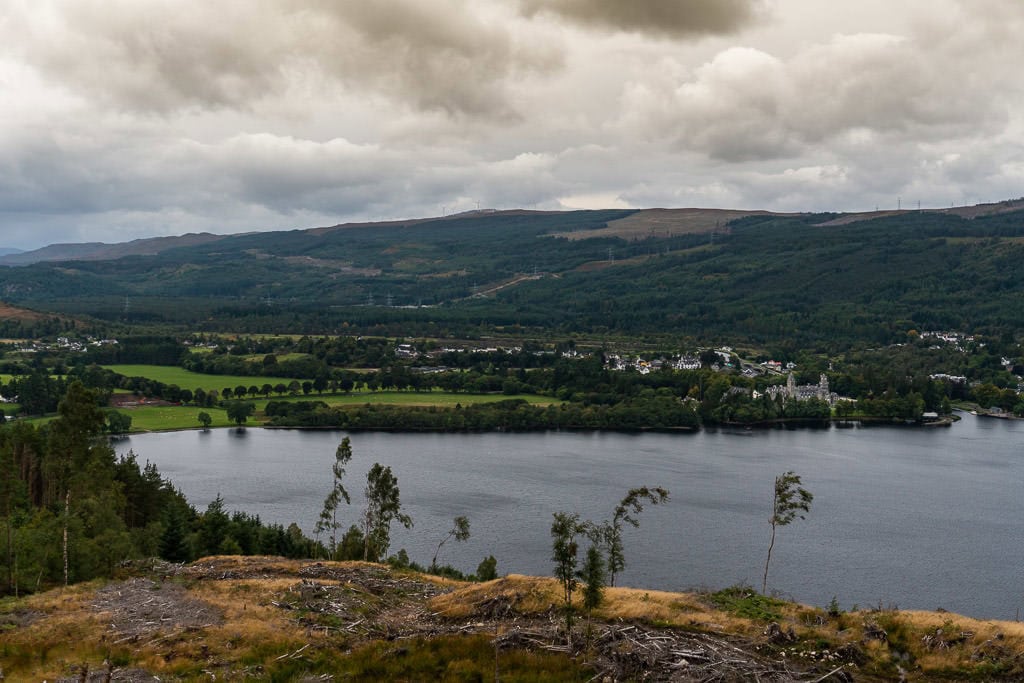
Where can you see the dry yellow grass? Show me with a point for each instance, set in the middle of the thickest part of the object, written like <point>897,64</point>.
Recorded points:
<point>527,594</point>
<point>670,609</point>
<point>532,595</point>
<point>1004,634</point>
<point>664,223</point>
<point>46,636</point>
<point>989,646</point>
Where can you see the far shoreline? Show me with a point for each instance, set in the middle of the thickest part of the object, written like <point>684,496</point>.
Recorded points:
<point>766,425</point>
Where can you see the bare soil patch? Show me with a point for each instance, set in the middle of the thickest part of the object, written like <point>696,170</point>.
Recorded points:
<point>141,606</point>
<point>8,312</point>
<point>133,401</point>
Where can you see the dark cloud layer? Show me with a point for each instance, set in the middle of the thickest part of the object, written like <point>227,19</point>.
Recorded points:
<point>675,18</point>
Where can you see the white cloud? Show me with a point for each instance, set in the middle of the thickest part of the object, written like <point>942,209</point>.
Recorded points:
<point>745,104</point>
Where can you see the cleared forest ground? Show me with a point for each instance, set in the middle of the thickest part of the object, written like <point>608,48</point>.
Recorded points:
<point>263,618</point>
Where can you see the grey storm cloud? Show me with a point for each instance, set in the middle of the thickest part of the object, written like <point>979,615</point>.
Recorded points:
<point>159,56</point>
<point>674,18</point>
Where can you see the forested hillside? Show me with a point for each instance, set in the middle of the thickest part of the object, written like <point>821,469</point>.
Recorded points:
<point>812,279</point>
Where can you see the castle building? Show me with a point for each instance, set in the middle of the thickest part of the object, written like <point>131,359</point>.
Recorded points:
<point>803,392</point>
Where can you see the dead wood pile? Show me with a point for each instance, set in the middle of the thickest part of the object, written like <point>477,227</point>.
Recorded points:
<point>140,606</point>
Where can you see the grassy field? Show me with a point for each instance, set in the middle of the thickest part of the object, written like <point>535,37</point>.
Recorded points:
<point>164,418</point>
<point>193,380</point>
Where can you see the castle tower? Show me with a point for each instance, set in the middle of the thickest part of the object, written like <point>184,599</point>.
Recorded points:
<point>791,386</point>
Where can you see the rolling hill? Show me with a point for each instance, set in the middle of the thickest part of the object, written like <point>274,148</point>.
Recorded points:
<point>705,273</point>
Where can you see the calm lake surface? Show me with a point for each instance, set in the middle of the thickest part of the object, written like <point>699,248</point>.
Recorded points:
<point>919,518</point>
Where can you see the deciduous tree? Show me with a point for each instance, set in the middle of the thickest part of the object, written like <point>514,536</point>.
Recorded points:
<point>240,411</point>
<point>625,512</point>
<point>118,422</point>
<point>329,514</point>
<point>383,506</point>
<point>565,529</point>
<point>789,501</point>
<point>459,531</point>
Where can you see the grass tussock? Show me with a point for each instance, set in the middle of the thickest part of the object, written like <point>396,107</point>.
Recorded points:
<point>524,594</point>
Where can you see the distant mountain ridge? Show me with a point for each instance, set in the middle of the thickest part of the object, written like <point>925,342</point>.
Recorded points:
<point>767,277</point>
<point>101,251</point>
<point>638,223</point>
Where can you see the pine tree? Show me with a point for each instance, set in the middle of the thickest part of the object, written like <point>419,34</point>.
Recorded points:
<point>174,546</point>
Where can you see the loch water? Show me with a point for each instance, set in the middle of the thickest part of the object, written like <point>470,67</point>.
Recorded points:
<point>914,517</point>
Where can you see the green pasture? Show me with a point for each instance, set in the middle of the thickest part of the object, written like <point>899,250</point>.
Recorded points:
<point>165,418</point>
<point>194,380</point>
<point>162,418</point>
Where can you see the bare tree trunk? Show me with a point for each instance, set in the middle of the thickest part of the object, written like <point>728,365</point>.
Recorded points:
<point>67,514</point>
<point>497,677</point>
<point>433,562</point>
<point>366,535</point>
<point>764,585</point>
<point>334,533</point>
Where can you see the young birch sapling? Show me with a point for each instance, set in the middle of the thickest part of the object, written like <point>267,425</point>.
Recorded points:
<point>459,531</point>
<point>789,502</point>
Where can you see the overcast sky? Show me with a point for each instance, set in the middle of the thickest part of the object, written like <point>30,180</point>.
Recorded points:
<point>134,118</point>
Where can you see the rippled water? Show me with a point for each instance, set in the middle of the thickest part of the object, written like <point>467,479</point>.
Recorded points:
<point>920,518</point>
